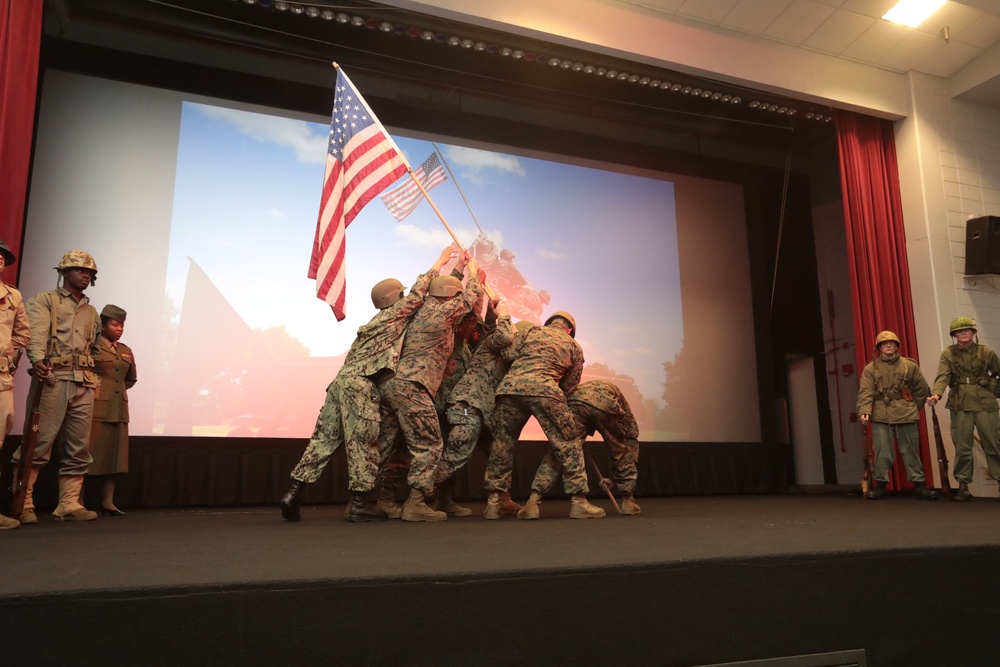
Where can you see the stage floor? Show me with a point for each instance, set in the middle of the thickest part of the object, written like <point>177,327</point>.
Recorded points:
<point>233,546</point>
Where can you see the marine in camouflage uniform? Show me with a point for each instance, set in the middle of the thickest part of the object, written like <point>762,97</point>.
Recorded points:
<point>409,394</point>
<point>15,334</point>
<point>350,413</point>
<point>547,366</point>
<point>891,396</point>
<point>969,370</point>
<point>64,334</point>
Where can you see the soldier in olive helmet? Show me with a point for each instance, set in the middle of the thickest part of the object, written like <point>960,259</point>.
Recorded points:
<point>546,366</point>
<point>892,394</point>
<point>969,370</point>
<point>64,334</point>
<point>350,413</point>
<point>15,335</point>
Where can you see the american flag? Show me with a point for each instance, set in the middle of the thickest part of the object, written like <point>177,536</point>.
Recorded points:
<point>403,198</point>
<point>361,162</point>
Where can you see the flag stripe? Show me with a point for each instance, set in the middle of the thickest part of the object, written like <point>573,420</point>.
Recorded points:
<point>362,161</point>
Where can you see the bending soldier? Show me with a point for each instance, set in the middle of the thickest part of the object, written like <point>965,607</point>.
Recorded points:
<point>890,398</point>
<point>969,370</point>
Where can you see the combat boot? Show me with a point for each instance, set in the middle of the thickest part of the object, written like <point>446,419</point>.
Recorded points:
<point>387,503</point>
<point>291,501</point>
<point>445,501</point>
<point>507,506</point>
<point>6,523</point>
<point>492,506</point>
<point>581,509</point>
<point>359,510</point>
<point>28,517</point>
<point>415,509</point>
<point>69,507</point>
<point>629,506</point>
<point>877,492</point>
<point>963,495</point>
<point>921,492</point>
<point>533,508</point>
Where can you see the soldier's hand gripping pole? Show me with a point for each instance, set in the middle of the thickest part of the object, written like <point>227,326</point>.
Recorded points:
<point>942,456</point>
<point>600,475</point>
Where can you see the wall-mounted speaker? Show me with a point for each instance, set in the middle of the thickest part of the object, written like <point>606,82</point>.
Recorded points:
<point>982,245</point>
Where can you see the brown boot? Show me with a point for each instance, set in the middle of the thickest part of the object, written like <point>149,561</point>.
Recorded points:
<point>415,509</point>
<point>581,509</point>
<point>69,507</point>
<point>507,506</point>
<point>532,509</point>
<point>445,501</point>
<point>387,503</point>
<point>492,506</point>
<point>629,506</point>
<point>6,523</point>
<point>28,516</point>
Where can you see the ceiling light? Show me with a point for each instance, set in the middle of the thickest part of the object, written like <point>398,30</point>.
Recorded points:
<point>912,12</point>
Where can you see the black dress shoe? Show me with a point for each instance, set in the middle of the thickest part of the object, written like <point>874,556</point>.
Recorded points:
<point>111,512</point>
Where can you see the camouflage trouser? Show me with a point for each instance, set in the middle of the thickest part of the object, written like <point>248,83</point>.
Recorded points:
<point>466,423</point>
<point>413,408</point>
<point>349,415</point>
<point>394,457</point>
<point>509,417</point>
<point>620,433</point>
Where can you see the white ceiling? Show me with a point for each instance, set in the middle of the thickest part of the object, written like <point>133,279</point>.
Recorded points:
<point>852,30</point>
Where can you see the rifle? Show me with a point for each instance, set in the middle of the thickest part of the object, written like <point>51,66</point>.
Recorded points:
<point>942,457</point>
<point>22,474</point>
<point>868,477</point>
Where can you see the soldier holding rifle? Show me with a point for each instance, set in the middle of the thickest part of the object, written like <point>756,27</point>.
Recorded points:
<point>970,371</point>
<point>891,396</point>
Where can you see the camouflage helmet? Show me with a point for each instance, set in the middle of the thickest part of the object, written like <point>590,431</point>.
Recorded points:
<point>447,286</point>
<point>566,316</point>
<point>77,259</point>
<point>387,292</point>
<point>8,256</point>
<point>960,323</point>
<point>886,336</point>
<point>524,325</point>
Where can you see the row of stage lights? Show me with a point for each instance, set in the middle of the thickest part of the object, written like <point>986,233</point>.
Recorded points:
<point>527,56</point>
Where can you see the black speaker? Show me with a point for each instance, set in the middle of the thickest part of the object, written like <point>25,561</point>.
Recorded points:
<point>982,245</point>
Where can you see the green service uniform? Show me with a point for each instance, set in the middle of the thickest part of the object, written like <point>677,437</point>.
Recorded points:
<point>893,392</point>
<point>115,365</point>
<point>971,375</point>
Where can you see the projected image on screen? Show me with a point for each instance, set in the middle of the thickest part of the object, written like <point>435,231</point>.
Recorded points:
<point>652,266</point>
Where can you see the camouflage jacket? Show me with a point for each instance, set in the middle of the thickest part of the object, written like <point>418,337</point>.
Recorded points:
<point>430,336</point>
<point>609,399</point>
<point>479,384</point>
<point>892,392</point>
<point>548,363</point>
<point>77,327</point>
<point>378,343</point>
<point>972,376</point>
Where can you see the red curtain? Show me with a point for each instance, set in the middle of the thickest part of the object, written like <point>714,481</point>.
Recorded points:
<point>20,38</point>
<point>876,248</point>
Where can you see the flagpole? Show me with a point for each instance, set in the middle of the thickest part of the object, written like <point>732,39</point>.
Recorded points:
<point>455,181</point>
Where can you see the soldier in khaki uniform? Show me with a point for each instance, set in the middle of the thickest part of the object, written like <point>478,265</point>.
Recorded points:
<point>598,406</point>
<point>892,394</point>
<point>350,413</point>
<point>115,365</point>
<point>14,337</point>
<point>969,370</point>
<point>547,366</point>
<point>64,331</point>
<point>409,394</point>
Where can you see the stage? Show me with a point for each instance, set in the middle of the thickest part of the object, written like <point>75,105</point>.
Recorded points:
<point>691,581</point>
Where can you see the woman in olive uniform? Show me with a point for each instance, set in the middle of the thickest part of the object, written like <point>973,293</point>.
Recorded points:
<point>109,431</point>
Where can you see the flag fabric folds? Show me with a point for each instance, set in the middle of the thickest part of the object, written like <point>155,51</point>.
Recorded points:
<point>361,161</point>
<point>403,198</point>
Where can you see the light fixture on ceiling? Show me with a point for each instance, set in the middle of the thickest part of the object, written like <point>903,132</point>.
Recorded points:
<point>912,12</point>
